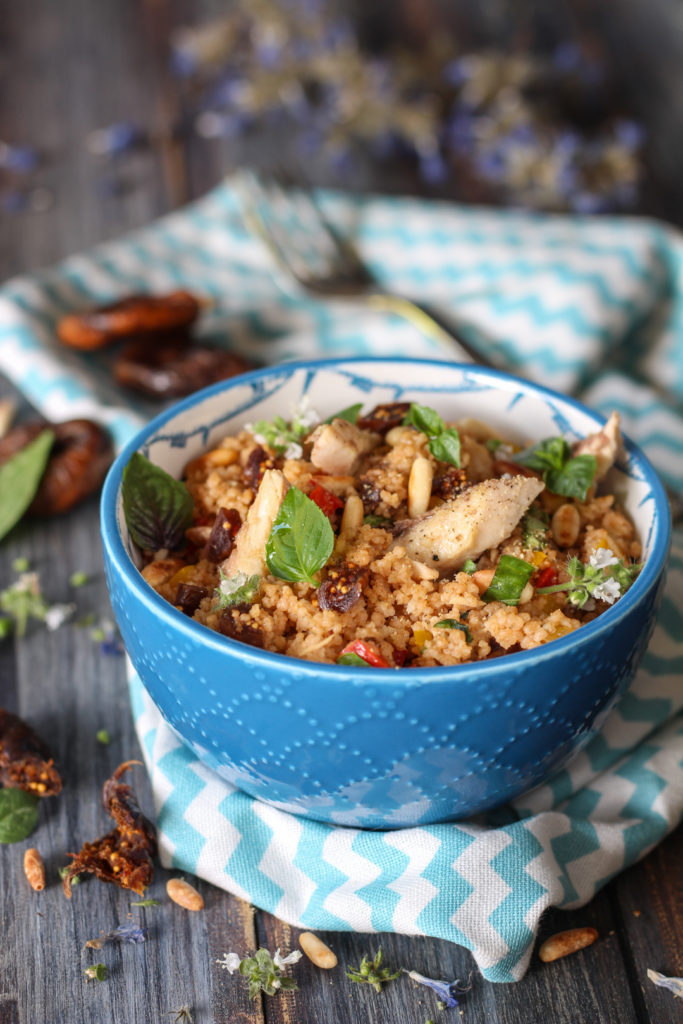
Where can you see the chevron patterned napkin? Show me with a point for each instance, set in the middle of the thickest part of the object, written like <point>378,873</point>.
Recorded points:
<point>593,307</point>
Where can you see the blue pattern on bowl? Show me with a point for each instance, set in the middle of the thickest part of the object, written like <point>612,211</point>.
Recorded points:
<point>380,748</point>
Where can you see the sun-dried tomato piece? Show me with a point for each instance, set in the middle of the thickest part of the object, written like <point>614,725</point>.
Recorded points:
<point>125,855</point>
<point>384,417</point>
<point>223,532</point>
<point>547,577</point>
<point>367,652</point>
<point>449,484</point>
<point>189,596</point>
<point>257,463</point>
<point>342,587</point>
<point>326,501</point>
<point>230,624</point>
<point>25,760</point>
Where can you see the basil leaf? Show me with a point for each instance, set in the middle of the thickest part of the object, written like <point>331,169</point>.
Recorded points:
<point>551,453</point>
<point>237,589</point>
<point>574,478</point>
<point>158,508</point>
<point>301,539</point>
<point>20,477</point>
<point>18,815</point>
<point>424,419</point>
<point>493,444</point>
<point>446,446</point>
<point>352,659</point>
<point>454,624</point>
<point>468,566</point>
<point>510,578</point>
<point>351,414</point>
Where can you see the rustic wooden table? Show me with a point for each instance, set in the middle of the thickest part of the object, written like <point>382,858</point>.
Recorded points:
<point>67,69</point>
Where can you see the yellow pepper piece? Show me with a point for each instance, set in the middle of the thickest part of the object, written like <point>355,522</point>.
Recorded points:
<point>538,558</point>
<point>183,575</point>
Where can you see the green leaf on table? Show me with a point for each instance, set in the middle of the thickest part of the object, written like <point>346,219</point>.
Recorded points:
<point>20,477</point>
<point>301,540</point>
<point>509,580</point>
<point>18,815</point>
<point>158,508</point>
<point>350,414</point>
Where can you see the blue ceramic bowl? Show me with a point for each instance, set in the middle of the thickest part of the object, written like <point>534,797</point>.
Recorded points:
<point>381,748</point>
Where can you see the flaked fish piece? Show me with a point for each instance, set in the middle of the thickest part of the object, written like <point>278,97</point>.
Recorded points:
<point>478,519</point>
<point>605,445</point>
<point>339,445</point>
<point>249,553</point>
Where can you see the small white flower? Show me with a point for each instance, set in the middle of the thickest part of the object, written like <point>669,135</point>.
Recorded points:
<point>229,584</point>
<point>609,590</point>
<point>304,416</point>
<point>602,558</point>
<point>231,962</point>
<point>293,451</point>
<point>57,614</point>
<point>281,961</point>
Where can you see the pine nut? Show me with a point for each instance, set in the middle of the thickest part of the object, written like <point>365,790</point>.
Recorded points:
<point>483,577</point>
<point>396,435</point>
<point>184,894</point>
<point>419,486</point>
<point>34,869</point>
<point>351,522</point>
<point>564,943</point>
<point>316,951</point>
<point>565,525</point>
<point>526,594</point>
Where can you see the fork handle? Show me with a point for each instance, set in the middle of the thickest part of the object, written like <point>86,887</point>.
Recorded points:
<point>430,323</point>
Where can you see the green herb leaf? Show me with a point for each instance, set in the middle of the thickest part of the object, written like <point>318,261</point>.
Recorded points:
<point>562,474</point>
<point>18,815</point>
<point>510,578</point>
<point>493,444</point>
<point>20,477</point>
<point>444,443</point>
<point>574,478</point>
<point>469,566</point>
<point>370,972</point>
<point>301,540</point>
<point>454,624</point>
<point>158,508</point>
<point>351,659</point>
<point>535,529</point>
<point>351,414</point>
<point>103,737</point>
<point>147,903</point>
<point>64,871</point>
<point>78,579</point>
<point>21,565</point>
<point>237,589</point>
<point>377,521</point>
<point>446,447</point>
<point>424,419</point>
<point>96,972</point>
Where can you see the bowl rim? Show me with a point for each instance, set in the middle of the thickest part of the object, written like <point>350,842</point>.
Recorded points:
<point>411,676</point>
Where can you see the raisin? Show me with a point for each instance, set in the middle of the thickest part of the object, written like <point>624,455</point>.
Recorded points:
<point>342,587</point>
<point>384,417</point>
<point>189,596</point>
<point>230,624</point>
<point>223,531</point>
<point>257,463</point>
<point>369,495</point>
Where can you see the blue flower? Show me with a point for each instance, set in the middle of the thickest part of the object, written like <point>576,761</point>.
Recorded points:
<point>127,933</point>
<point>445,989</point>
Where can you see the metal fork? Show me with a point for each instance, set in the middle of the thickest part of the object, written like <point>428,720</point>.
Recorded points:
<point>309,249</point>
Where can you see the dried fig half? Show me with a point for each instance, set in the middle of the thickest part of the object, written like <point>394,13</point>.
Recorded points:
<point>172,367</point>
<point>128,317</point>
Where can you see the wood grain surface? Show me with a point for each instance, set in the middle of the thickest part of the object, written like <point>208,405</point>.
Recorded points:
<point>66,69</point>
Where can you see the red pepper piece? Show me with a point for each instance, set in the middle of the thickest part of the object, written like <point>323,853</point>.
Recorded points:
<point>547,577</point>
<point>367,652</point>
<point>326,501</point>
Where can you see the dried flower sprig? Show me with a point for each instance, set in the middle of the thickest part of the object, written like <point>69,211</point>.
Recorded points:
<point>446,990</point>
<point>674,985</point>
<point>96,972</point>
<point>263,970</point>
<point>604,578</point>
<point>371,972</point>
<point>127,933</point>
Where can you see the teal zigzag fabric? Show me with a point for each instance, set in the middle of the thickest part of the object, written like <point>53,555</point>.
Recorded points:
<point>588,306</point>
